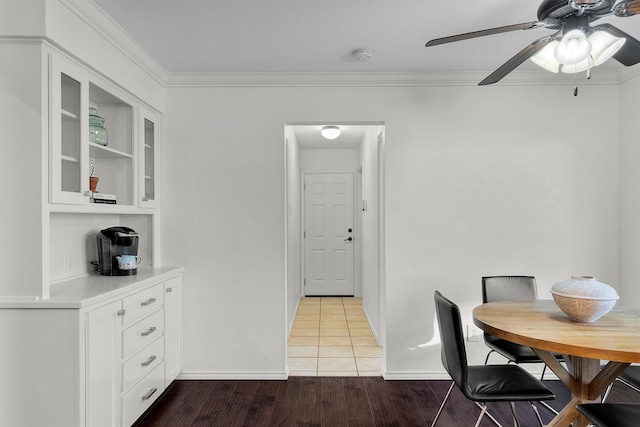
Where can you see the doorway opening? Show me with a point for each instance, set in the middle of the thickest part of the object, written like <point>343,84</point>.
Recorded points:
<point>334,222</point>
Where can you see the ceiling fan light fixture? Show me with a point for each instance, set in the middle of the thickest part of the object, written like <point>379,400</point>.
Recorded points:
<point>574,48</point>
<point>330,132</point>
<point>546,57</point>
<point>604,45</point>
<point>581,66</point>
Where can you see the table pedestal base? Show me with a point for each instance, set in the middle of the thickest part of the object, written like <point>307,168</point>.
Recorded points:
<point>584,379</point>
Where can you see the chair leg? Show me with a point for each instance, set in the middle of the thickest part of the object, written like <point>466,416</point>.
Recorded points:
<point>486,360</point>
<point>535,409</point>
<point>549,407</point>
<point>607,391</point>
<point>484,410</point>
<point>512,405</point>
<point>443,402</point>
<point>628,384</point>
<point>488,414</point>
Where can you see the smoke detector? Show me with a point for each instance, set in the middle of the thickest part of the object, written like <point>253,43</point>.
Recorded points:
<point>363,55</point>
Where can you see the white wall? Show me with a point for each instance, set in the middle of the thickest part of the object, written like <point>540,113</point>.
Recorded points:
<point>479,180</point>
<point>629,192</point>
<point>22,169</point>
<point>314,160</point>
<point>369,242</point>
<point>293,250</point>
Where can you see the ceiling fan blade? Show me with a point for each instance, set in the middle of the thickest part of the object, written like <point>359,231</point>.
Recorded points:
<point>518,59</point>
<point>627,8</point>
<point>629,54</point>
<point>482,33</point>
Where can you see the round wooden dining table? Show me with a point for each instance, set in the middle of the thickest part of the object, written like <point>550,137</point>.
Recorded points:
<point>541,325</point>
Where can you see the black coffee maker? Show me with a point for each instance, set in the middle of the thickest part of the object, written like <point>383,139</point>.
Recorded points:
<point>115,246</point>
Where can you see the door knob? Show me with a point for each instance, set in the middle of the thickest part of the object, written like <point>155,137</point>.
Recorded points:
<point>348,239</point>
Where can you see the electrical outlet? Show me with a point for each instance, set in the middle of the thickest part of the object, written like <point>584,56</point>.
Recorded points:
<point>68,264</point>
<point>473,334</point>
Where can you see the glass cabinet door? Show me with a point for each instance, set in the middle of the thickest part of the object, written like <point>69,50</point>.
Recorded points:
<point>149,160</point>
<point>68,156</point>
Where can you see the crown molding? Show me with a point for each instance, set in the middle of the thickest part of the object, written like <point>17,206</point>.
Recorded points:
<point>107,28</point>
<point>383,79</point>
<point>628,73</point>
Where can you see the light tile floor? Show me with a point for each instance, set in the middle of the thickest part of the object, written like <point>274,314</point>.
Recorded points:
<point>331,337</point>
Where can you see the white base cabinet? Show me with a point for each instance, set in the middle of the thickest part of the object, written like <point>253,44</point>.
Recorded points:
<point>100,359</point>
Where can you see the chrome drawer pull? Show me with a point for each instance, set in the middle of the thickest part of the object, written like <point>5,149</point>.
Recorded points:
<point>147,302</point>
<point>148,361</point>
<point>169,289</point>
<point>149,331</point>
<point>149,393</point>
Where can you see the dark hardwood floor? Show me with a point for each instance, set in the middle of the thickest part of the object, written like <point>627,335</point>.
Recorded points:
<point>333,402</point>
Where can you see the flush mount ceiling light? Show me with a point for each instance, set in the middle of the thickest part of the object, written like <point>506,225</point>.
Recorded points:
<point>330,132</point>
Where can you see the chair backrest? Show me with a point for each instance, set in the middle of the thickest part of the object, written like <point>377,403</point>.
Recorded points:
<point>453,352</point>
<point>508,288</point>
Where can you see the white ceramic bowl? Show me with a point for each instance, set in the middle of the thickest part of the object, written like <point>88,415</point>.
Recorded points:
<point>583,310</point>
<point>583,299</point>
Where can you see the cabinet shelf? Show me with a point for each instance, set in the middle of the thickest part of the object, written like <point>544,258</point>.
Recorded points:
<point>70,159</point>
<point>97,208</point>
<point>68,115</point>
<point>102,151</point>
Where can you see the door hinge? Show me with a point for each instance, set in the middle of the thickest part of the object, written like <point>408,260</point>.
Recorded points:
<point>304,234</point>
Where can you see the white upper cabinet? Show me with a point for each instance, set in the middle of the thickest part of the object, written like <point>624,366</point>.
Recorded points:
<point>149,129</point>
<point>69,153</point>
<point>99,133</point>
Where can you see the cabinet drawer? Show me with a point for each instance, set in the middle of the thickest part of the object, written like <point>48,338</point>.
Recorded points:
<point>141,363</point>
<point>142,333</point>
<point>142,395</point>
<point>142,304</point>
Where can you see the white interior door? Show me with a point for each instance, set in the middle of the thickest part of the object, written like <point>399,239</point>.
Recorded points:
<point>328,234</point>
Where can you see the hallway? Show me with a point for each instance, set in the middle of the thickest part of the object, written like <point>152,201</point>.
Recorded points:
<point>331,337</point>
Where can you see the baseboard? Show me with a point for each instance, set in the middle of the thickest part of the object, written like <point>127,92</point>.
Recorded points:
<point>253,375</point>
<point>293,319</point>
<point>390,376</point>
<point>373,330</point>
<point>415,375</point>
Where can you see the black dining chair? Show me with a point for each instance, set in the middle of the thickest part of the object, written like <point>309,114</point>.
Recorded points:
<point>630,377</point>
<point>482,383</point>
<point>511,288</point>
<point>611,414</point>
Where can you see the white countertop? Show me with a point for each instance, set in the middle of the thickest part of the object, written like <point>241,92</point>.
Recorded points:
<point>93,289</point>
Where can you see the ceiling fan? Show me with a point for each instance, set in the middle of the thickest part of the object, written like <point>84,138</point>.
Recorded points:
<point>576,46</point>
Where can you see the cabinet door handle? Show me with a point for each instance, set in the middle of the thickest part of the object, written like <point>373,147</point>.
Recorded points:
<point>147,302</point>
<point>169,289</point>
<point>148,361</point>
<point>149,331</point>
<point>148,395</point>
